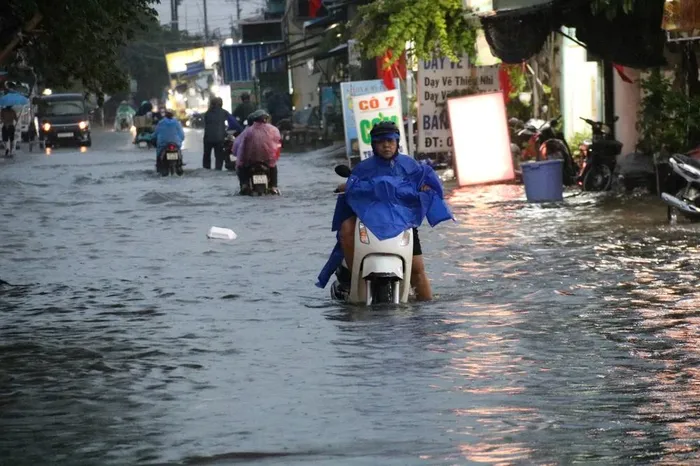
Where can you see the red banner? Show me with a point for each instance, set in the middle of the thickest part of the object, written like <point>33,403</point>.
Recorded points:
<point>397,70</point>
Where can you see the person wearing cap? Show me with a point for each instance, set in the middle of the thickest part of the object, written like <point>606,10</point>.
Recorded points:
<point>386,161</point>
<point>260,142</point>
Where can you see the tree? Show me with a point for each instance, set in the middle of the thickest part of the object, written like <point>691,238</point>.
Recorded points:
<point>144,57</point>
<point>72,39</point>
<point>441,27</point>
<point>432,26</point>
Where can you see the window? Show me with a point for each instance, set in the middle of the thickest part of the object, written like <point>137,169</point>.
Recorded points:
<point>62,108</point>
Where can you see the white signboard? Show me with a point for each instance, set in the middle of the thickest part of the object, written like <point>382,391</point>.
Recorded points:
<point>439,79</point>
<point>370,109</point>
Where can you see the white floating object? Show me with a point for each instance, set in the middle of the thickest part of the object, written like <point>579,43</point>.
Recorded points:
<point>221,233</point>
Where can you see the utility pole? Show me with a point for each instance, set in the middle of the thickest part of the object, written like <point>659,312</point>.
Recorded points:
<point>206,23</point>
<point>238,20</point>
<point>174,26</point>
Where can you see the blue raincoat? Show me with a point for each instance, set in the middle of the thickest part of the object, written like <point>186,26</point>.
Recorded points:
<point>168,130</point>
<point>385,195</point>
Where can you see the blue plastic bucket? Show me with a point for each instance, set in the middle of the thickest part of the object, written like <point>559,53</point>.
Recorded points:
<point>544,181</point>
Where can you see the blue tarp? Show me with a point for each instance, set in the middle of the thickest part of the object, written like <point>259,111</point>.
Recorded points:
<point>387,204</point>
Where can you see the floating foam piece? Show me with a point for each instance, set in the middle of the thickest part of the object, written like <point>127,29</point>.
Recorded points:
<point>221,233</point>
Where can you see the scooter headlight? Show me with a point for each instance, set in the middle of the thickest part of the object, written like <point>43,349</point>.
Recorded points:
<point>364,237</point>
<point>406,238</point>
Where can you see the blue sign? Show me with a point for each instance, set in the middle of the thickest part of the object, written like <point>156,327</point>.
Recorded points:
<point>351,89</point>
<point>194,68</point>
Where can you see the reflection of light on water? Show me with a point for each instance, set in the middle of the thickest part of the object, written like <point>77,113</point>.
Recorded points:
<point>48,151</point>
<point>83,149</point>
<point>498,449</point>
<point>491,453</point>
<point>668,302</point>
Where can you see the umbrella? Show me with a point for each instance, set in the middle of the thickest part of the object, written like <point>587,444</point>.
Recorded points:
<point>12,98</point>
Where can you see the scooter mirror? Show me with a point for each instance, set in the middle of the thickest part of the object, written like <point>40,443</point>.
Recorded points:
<point>343,170</point>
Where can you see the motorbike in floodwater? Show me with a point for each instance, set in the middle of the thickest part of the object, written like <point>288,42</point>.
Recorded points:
<point>381,270</point>
<point>124,122</point>
<point>259,181</point>
<point>169,161</point>
<point>600,157</point>
<point>685,202</point>
<point>229,156</point>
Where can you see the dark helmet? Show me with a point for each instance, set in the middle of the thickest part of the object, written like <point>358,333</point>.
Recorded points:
<point>385,130</point>
<point>169,114</point>
<point>245,97</point>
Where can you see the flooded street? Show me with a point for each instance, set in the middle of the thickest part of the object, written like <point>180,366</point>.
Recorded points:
<point>558,335</point>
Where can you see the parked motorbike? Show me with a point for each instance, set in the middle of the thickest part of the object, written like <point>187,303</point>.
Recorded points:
<point>685,202</point>
<point>600,157</point>
<point>548,144</point>
<point>229,156</point>
<point>170,161</point>
<point>381,271</point>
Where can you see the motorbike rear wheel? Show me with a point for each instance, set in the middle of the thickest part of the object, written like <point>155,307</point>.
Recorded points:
<point>382,292</point>
<point>598,178</point>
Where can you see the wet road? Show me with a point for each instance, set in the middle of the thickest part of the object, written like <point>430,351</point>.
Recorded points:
<point>558,335</point>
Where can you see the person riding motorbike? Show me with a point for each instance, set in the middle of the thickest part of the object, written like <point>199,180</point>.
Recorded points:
<point>168,131</point>
<point>260,142</point>
<point>387,161</point>
<point>123,111</point>
<point>144,108</point>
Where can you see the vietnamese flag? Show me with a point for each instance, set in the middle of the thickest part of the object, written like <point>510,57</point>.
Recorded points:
<point>504,79</point>
<point>621,72</point>
<point>387,74</point>
<point>314,6</point>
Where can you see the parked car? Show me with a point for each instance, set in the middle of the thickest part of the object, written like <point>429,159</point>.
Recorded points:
<point>63,118</point>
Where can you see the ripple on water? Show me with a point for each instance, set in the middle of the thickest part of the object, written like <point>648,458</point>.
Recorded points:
<point>559,334</point>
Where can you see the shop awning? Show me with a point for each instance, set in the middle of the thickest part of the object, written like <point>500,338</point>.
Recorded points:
<point>320,22</point>
<point>342,49</point>
<point>287,52</point>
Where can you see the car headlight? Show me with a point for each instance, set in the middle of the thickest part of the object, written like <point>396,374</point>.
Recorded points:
<point>83,124</point>
<point>46,127</point>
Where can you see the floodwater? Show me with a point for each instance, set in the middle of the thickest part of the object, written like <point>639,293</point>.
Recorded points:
<point>558,335</point>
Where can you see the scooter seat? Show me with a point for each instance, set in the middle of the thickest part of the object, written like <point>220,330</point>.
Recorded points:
<point>687,160</point>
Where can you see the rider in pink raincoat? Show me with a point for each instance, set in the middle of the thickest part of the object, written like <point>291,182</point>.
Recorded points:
<point>260,142</point>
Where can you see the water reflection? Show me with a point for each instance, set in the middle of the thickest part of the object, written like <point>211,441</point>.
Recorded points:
<point>560,334</point>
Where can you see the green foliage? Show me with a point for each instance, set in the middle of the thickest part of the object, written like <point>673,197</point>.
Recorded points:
<point>612,8</point>
<point>76,39</point>
<point>666,117</point>
<point>576,141</point>
<point>431,25</point>
<point>144,57</point>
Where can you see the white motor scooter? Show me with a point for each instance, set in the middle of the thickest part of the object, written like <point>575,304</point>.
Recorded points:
<point>381,271</point>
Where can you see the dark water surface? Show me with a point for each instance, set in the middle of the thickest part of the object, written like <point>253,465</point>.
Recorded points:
<point>558,335</point>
